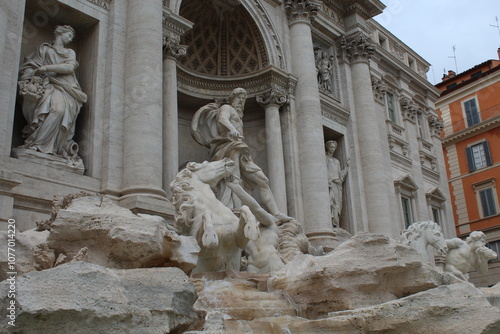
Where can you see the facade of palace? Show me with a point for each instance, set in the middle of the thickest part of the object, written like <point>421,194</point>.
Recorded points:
<point>314,72</point>
<point>470,107</point>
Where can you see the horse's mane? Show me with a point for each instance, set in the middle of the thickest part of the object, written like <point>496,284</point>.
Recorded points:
<point>183,198</point>
<point>415,230</point>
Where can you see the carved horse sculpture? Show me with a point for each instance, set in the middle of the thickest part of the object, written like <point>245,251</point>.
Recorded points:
<point>221,235</point>
<point>421,234</point>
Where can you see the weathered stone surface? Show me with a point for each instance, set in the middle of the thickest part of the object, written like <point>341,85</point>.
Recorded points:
<point>493,294</point>
<point>117,238</point>
<point>26,244</point>
<point>456,308</point>
<point>365,270</point>
<point>85,298</point>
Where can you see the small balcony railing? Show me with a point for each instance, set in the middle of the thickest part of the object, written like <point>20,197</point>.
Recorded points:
<point>484,115</point>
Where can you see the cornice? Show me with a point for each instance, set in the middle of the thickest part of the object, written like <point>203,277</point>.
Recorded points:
<point>207,86</point>
<point>365,8</point>
<point>174,23</point>
<point>472,131</point>
<point>334,113</point>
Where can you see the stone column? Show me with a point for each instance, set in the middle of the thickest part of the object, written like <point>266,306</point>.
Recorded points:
<point>272,100</point>
<point>142,158</point>
<point>311,144</point>
<point>372,145</point>
<point>173,27</point>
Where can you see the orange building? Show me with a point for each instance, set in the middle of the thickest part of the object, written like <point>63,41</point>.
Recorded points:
<point>470,108</point>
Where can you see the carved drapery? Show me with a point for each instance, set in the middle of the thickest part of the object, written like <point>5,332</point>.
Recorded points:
<point>356,48</point>
<point>301,10</point>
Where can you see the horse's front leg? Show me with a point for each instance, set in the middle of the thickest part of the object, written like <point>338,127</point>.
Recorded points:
<point>209,238</point>
<point>248,227</point>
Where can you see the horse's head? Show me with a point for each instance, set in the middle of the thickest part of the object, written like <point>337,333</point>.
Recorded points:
<point>435,238</point>
<point>212,172</point>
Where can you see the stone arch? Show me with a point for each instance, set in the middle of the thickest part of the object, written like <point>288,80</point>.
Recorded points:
<point>259,17</point>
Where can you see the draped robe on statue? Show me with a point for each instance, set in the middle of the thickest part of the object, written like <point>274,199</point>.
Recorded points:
<point>52,121</point>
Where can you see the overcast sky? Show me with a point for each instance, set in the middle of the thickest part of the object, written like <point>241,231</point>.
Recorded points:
<point>432,27</point>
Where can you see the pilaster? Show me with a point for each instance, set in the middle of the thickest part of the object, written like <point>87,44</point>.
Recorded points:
<point>173,27</point>
<point>272,100</point>
<point>309,123</point>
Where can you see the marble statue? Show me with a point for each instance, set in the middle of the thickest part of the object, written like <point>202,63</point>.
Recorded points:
<point>324,66</point>
<point>221,129</point>
<point>336,177</point>
<point>469,255</point>
<point>52,97</point>
<point>421,234</point>
<point>221,235</point>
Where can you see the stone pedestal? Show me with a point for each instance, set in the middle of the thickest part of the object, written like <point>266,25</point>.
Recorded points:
<point>49,160</point>
<point>309,121</point>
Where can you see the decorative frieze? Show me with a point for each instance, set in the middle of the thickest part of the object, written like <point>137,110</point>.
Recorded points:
<point>409,109</point>
<point>273,96</point>
<point>379,89</point>
<point>436,125</point>
<point>172,46</point>
<point>335,114</point>
<point>356,48</point>
<point>301,10</point>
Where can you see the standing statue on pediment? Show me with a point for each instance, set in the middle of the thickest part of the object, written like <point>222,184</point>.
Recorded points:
<point>52,97</point>
<point>336,178</point>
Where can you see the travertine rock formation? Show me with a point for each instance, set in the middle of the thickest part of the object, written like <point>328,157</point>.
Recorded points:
<point>364,271</point>
<point>82,298</point>
<point>26,246</point>
<point>455,308</point>
<point>117,238</point>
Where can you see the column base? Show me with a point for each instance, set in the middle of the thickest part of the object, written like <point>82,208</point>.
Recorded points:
<point>148,204</point>
<point>329,240</point>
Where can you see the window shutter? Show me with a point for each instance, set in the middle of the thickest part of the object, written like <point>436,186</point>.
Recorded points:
<point>484,203</point>
<point>487,154</point>
<point>468,113</point>
<point>470,159</point>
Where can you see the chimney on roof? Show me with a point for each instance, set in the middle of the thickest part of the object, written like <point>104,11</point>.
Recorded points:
<point>450,75</point>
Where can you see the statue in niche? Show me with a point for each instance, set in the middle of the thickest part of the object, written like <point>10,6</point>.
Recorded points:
<point>469,255</point>
<point>51,97</point>
<point>336,177</point>
<point>220,128</point>
<point>324,67</point>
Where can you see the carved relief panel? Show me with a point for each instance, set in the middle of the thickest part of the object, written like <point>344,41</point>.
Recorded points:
<point>327,69</point>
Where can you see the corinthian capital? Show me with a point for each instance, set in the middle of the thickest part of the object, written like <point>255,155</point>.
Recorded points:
<point>172,46</point>
<point>356,48</point>
<point>274,96</point>
<point>301,10</point>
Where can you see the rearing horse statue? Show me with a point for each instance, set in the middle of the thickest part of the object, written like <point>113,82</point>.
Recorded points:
<point>421,234</point>
<point>221,235</point>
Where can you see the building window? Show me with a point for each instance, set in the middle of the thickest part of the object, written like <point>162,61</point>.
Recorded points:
<point>406,206</point>
<point>478,156</point>
<point>494,245</point>
<point>391,107</point>
<point>436,216</point>
<point>488,205</point>
<point>471,112</point>
<point>486,197</point>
